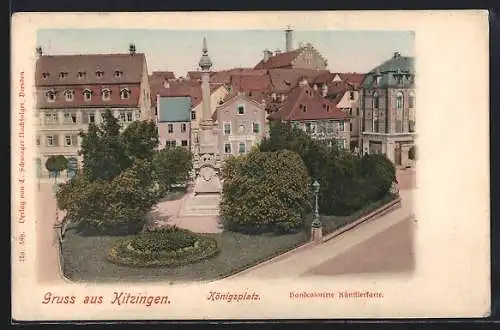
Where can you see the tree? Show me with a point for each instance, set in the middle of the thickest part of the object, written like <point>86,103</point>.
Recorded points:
<point>56,164</point>
<point>172,166</point>
<point>378,172</point>
<point>412,153</point>
<point>109,207</point>
<point>141,139</point>
<point>104,152</point>
<point>265,192</point>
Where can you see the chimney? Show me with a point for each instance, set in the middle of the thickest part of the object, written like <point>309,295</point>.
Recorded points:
<point>39,51</point>
<point>324,90</point>
<point>131,49</point>
<point>315,87</point>
<point>166,84</point>
<point>266,55</point>
<point>303,82</point>
<point>277,52</point>
<point>397,55</point>
<point>288,37</point>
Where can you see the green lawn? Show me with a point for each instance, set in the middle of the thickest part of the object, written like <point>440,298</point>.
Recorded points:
<point>85,256</point>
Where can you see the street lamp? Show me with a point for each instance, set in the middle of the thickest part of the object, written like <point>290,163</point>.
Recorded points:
<point>316,222</point>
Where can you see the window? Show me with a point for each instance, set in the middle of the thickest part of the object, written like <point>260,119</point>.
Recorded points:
<point>375,100</point>
<point>399,126</point>
<point>350,112</point>
<point>51,118</point>
<point>45,75</point>
<point>106,94</point>
<point>183,128</point>
<point>170,128</point>
<point>256,128</point>
<point>350,127</point>
<point>341,126</point>
<point>68,95</point>
<point>171,143</point>
<point>87,95</point>
<point>99,73</point>
<point>129,117</point>
<point>377,80</point>
<point>227,148</point>
<point>242,147</point>
<point>122,117</point>
<point>124,94</point>
<point>411,100</point>
<point>81,75</point>
<point>68,140</point>
<point>91,118</point>
<point>63,74</point>
<point>302,107</point>
<point>399,101</point>
<point>184,143</point>
<point>50,140</point>
<point>37,140</point>
<point>70,118</point>
<point>411,126</point>
<point>308,128</point>
<point>227,128</point>
<point>241,110</point>
<point>357,111</point>
<point>341,143</point>
<point>193,115</point>
<point>118,74</point>
<point>351,95</point>
<point>241,129</point>
<point>51,96</point>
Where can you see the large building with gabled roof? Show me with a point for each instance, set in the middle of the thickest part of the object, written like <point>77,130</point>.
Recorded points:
<point>75,90</point>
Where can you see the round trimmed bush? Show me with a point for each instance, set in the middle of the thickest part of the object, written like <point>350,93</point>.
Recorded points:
<point>169,247</point>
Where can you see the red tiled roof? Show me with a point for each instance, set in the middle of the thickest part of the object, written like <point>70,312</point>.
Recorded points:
<point>190,88</point>
<point>196,75</point>
<point>162,75</point>
<point>96,99</point>
<point>284,80</point>
<point>354,78</point>
<point>283,60</point>
<point>316,106</point>
<point>243,83</point>
<point>130,66</point>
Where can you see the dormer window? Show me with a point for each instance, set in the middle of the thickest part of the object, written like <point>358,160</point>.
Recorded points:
<point>45,75</point>
<point>125,93</point>
<point>81,75</point>
<point>351,95</point>
<point>106,94</point>
<point>303,107</point>
<point>118,74</point>
<point>51,96</point>
<point>87,95</point>
<point>63,74</point>
<point>99,73</point>
<point>68,95</point>
<point>377,80</point>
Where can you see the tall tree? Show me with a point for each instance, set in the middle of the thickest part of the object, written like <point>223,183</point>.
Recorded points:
<point>104,153</point>
<point>141,139</point>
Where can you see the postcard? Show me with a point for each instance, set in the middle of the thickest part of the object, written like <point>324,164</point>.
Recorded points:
<point>250,165</point>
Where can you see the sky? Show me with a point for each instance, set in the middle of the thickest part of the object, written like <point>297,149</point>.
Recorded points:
<point>180,50</point>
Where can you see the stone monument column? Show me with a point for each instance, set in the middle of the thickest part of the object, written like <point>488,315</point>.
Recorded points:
<point>206,159</point>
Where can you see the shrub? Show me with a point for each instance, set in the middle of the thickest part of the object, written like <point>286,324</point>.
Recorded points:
<point>169,247</point>
<point>265,192</point>
<point>378,173</point>
<point>172,166</point>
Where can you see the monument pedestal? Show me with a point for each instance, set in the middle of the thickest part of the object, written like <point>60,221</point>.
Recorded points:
<point>201,205</point>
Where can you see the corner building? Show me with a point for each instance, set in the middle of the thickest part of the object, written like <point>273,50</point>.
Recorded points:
<point>388,109</point>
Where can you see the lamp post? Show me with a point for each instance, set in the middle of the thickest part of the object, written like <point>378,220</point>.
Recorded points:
<point>316,226</point>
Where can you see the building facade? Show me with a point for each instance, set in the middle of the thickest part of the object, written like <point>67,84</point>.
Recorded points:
<point>76,90</point>
<point>242,124</point>
<point>174,121</point>
<point>388,109</point>
<point>319,117</point>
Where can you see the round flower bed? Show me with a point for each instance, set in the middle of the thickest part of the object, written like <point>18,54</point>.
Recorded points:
<point>169,247</point>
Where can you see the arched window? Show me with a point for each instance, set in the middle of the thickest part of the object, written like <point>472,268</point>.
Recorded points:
<point>375,100</point>
<point>399,101</point>
<point>87,94</point>
<point>51,95</point>
<point>68,95</point>
<point>106,94</point>
<point>125,93</point>
<point>411,100</point>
